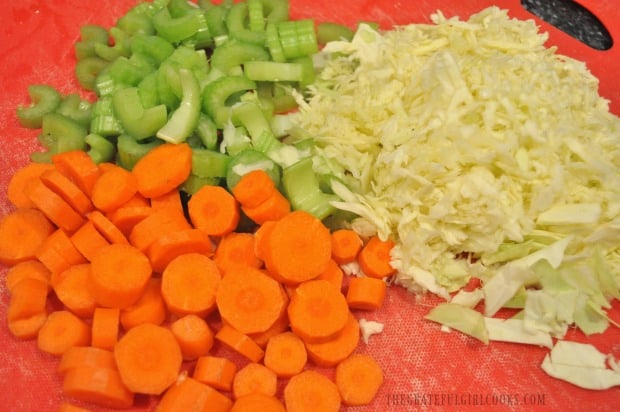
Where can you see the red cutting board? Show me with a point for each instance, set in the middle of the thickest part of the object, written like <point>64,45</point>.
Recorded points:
<point>425,369</point>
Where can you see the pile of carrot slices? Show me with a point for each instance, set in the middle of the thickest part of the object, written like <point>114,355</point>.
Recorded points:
<point>134,290</point>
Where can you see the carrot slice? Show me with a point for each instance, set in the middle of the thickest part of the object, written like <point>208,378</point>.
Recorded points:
<point>22,232</point>
<point>88,240</point>
<point>157,224</point>
<point>105,328</point>
<point>214,210</point>
<point>28,298</point>
<point>62,330</point>
<point>194,336</point>
<point>85,356</point>
<point>280,325</point>
<point>215,371</point>
<point>333,351</point>
<point>285,354</point>
<point>374,258</point>
<point>262,233</point>
<point>114,187</point>
<point>189,284</point>
<point>190,395</point>
<point>275,207</point>
<point>333,274</point>
<point>21,179</point>
<point>254,378</point>
<point>366,293</point>
<point>258,402</point>
<point>253,188</point>
<point>234,250</point>
<point>119,275</point>
<point>172,199</point>
<point>78,166</point>
<point>148,358</point>
<point>137,200</point>
<point>249,300</point>
<point>126,217</point>
<point>107,228</point>
<point>28,269</point>
<point>72,288</point>
<point>163,169</point>
<point>346,244</point>
<point>150,307</point>
<point>358,378</point>
<point>58,253</point>
<point>317,311</point>
<point>100,386</point>
<point>299,247</point>
<point>311,391</point>
<point>170,245</point>
<point>240,343</point>
<point>27,328</point>
<point>67,190</point>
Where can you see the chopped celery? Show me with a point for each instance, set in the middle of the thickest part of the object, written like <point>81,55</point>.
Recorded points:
<point>76,108</point>
<point>234,52</point>
<point>129,150</point>
<point>62,134</point>
<point>234,139</point>
<point>276,10</point>
<point>147,90</point>
<point>176,29</point>
<point>45,99</point>
<point>209,163</point>
<point>100,149</point>
<point>216,20</point>
<point>248,160</point>
<point>193,183</point>
<point>273,71</point>
<point>206,131</point>
<point>272,41</point>
<point>119,48</point>
<point>135,119</point>
<point>153,46</point>
<point>328,31</point>
<point>185,118</point>
<point>217,93</point>
<point>256,15</point>
<point>89,35</point>
<point>251,116</point>
<point>235,22</point>
<point>87,69</point>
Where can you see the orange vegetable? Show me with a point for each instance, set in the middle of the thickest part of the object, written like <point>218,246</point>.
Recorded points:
<point>213,210</point>
<point>72,289</point>
<point>58,253</point>
<point>100,386</point>
<point>366,293</point>
<point>333,351</point>
<point>69,407</point>
<point>54,207</point>
<point>21,179</point>
<point>317,311</point>
<point>137,200</point>
<point>106,228</point>
<point>299,247</point>
<point>67,190</point>
<point>240,343</point>
<point>215,371</point>
<point>346,244</point>
<point>249,300</point>
<point>88,240</point>
<point>285,354</point>
<point>275,207</point>
<point>114,187</point>
<point>62,330</point>
<point>374,258</point>
<point>126,217</point>
<point>333,274</point>
<point>78,166</point>
<point>190,395</point>
<point>105,327</point>
<point>28,269</point>
<point>258,402</point>
<point>262,233</point>
<point>311,391</point>
<point>163,169</point>
<point>234,250</point>
<point>157,224</point>
<point>150,307</point>
<point>27,328</point>
<point>171,199</point>
<point>119,275</point>
<point>253,188</point>
<point>22,232</point>
<point>280,325</point>
<point>85,356</point>
<point>148,358</point>
<point>170,245</point>
<point>27,308</point>
<point>254,378</point>
<point>194,336</point>
<point>189,284</point>
<point>358,379</point>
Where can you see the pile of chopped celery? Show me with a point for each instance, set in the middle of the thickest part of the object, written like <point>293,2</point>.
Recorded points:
<point>221,77</point>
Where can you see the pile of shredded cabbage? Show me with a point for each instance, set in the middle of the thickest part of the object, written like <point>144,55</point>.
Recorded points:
<point>473,138</point>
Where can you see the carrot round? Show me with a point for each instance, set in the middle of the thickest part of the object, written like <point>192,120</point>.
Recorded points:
<point>374,258</point>
<point>27,328</point>
<point>163,169</point>
<point>275,207</point>
<point>100,386</point>
<point>258,402</point>
<point>240,343</point>
<point>28,269</point>
<point>58,252</point>
<point>366,293</point>
<point>21,179</point>
<point>148,358</point>
<point>311,391</point>
<point>215,371</point>
<point>62,330</point>
<point>78,166</point>
<point>214,210</point>
<point>67,190</point>
<point>72,288</point>
<point>333,351</point>
<point>285,354</point>
<point>114,187</point>
<point>190,395</point>
<point>106,227</point>
<point>249,300</point>
<point>254,378</point>
<point>317,311</point>
<point>189,284</point>
<point>234,250</point>
<point>194,336</point>
<point>253,188</point>
<point>85,356</point>
<point>170,245</point>
<point>150,307</point>
<point>299,247</point>
<point>261,235</point>
<point>126,217</point>
<point>105,327</point>
<point>346,244</point>
<point>155,225</point>
<point>171,200</point>
<point>27,301</point>
<point>22,232</point>
<point>119,275</point>
<point>280,325</point>
<point>88,240</point>
<point>358,378</point>
<point>333,274</point>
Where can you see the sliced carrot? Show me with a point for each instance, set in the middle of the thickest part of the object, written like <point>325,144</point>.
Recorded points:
<point>275,207</point>
<point>67,190</point>
<point>262,233</point>
<point>119,275</point>
<point>333,351</point>
<point>285,354</point>
<point>214,210</point>
<point>249,300</point>
<point>194,336</point>
<point>27,328</point>
<point>280,325</point>
<point>22,232</point>
<point>148,358</point>
<point>366,293</point>
<point>215,371</point>
<point>88,240</point>
<point>358,378</point>
<point>346,244</point>
<point>374,258</point>
<point>258,402</point>
<point>28,269</point>
<point>62,330</point>
<point>317,311</point>
<point>106,227</point>
<point>311,391</point>
<point>234,250</point>
<point>137,200</point>
<point>100,386</point>
<point>170,245</point>
<point>69,407</point>
<point>105,327</point>
<point>333,274</point>
<point>253,188</point>
<point>189,284</point>
<point>299,247</point>
<point>72,288</point>
<point>114,187</point>
<point>58,253</point>
<point>21,179</point>
<point>240,343</point>
<point>150,307</point>
<point>163,169</point>
<point>126,217</point>
<point>79,167</point>
<point>156,225</point>
<point>190,395</point>
<point>172,199</point>
<point>254,378</point>
<point>28,298</point>
<point>85,356</point>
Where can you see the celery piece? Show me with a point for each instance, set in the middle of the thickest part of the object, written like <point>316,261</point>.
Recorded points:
<point>209,163</point>
<point>216,20</point>
<point>129,150</point>
<point>119,48</point>
<point>100,149</point>
<point>176,29</point>
<point>272,41</point>
<point>136,21</point>
<point>256,15</point>
<point>62,133</point>
<point>234,139</point>
<point>298,38</point>
<point>45,99</point>
<point>234,52</point>
<point>153,46</point>
<point>216,94</point>
<point>236,24</point>
<point>89,35</point>
<point>166,89</point>
<point>273,71</point>
<point>249,160</point>
<point>184,119</point>
<point>193,183</point>
<point>206,131</point>
<point>251,116</point>
<point>328,31</point>
<point>103,120</point>
<point>124,71</point>
<point>180,8</point>
<point>87,69</point>
<point>147,90</point>
<point>276,10</point>
<point>308,74</point>
<point>76,108</point>
<point>302,189</point>
<point>135,119</point>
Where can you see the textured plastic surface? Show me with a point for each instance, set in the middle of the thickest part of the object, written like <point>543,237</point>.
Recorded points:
<point>425,368</point>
